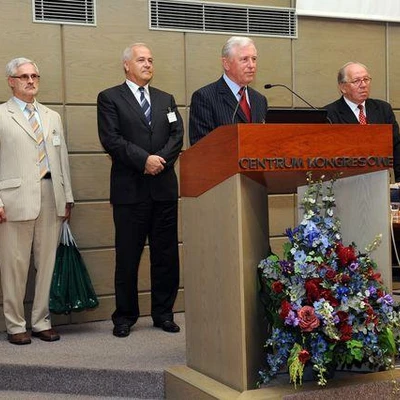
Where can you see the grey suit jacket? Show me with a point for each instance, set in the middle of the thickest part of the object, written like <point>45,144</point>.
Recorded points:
<point>215,104</point>
<point>20,192</point>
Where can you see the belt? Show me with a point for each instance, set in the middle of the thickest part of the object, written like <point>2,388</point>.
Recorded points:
<point>47,176</point>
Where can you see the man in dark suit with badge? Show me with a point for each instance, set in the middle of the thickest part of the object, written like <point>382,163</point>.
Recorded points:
<point>229,100</point>
<point>356,107</point>
<point>141,129</point>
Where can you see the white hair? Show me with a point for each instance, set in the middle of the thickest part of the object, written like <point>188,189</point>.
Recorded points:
<point>13,65</point>
<point>235,41</point>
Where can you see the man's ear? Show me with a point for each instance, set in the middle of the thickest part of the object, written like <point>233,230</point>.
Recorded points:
<point>10,82</point>
<point>225,64</point>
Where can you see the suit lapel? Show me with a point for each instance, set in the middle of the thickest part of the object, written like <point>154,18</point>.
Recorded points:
<point>254,105</point>
<point>44,119</point>
<point>229,98</point>
<point>156,111</point>
<point>371,111</point>
<point>18,116</point>
<point>133,103</point>
<point>346,113</point>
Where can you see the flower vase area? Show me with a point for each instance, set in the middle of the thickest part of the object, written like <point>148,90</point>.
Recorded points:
<point>326,306</point>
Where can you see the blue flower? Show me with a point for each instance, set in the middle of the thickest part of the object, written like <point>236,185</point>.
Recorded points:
<point>348,300</point>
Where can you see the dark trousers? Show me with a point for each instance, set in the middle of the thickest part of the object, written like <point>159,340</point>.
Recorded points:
<point>156,220</point>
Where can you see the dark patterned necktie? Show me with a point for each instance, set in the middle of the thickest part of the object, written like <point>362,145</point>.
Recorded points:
<point>244,105</point>
<point>145,105</point>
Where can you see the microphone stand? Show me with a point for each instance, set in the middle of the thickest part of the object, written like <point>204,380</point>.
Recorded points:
<point>269,86</point>
<point>237,106</point>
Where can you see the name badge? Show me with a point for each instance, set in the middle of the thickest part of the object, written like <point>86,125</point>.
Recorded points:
<point>171,117</point>
<point>56,140</point>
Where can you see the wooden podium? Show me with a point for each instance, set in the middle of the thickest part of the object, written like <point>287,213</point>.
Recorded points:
<point>225,180</point>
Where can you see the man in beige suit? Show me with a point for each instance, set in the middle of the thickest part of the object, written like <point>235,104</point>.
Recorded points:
<point>35,197</point>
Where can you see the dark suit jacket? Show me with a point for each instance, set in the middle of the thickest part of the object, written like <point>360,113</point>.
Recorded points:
<point>128,138</point>
<point>214,105</point>
<point>378,112</point>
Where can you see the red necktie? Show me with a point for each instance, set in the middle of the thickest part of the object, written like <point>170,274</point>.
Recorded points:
<point>244,105</point>
<point>361,117</point>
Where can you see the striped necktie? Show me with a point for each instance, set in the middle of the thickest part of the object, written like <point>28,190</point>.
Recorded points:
<point>43,162</point>
<point>145,105</point>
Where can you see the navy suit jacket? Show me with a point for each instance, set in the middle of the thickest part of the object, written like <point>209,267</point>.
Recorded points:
<point>378,112</point>
<point>127,137</point>
<point>215,104</point>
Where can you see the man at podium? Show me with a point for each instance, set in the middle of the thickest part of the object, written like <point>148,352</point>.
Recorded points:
<point>229,100</point>
<point>355,106</point>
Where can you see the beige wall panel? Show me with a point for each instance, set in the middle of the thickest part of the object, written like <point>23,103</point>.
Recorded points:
<point>102,312</point>
<point>324,45</point>
<point>277,245</point>
<point>92,225</point>
<point>184,111</point>
<point>204,63</point>
<point>90,175</point>
<point>60,319</point>
<point>107,307</point>
<point>145,303</point>
<point>281,213</point>
<point>397,114</point>
<point>100,264</point>
<point>186,143</point>
<point>394,63</point>
<point>20,37</point>
<point>119,23</point>
<point>81,125</point>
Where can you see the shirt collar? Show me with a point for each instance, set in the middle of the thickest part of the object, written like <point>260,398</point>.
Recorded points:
<point>353,106</point>
<point>135,87</point>
<point>232,85</point>
<point>22,104</point>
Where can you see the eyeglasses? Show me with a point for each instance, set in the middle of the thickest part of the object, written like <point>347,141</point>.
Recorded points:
<point>357,82</point>
<point>26,77</point>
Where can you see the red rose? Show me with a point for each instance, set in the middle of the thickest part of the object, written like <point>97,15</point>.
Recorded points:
<point>346,255</point>
<point>370,272</point>
<point>345,332</point>
<point>313,289</point>
<point>304,356</point>
<point>327,295</point>
<point>308,321</point>
<point>371,316</point>
<point>330,274</point>
<point>285,308</point>
<point>277,287</point>
<point>343,316</point>
<point>345,278</point>
<point>377,277</point>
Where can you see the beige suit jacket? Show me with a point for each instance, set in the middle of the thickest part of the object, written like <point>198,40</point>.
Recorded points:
<point>19,168</point>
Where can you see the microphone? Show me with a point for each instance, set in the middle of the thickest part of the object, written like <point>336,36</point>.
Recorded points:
<point>269,86</point>
<point>237,106</point>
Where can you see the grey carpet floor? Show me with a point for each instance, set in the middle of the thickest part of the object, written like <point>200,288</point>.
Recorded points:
<point>89,352</point>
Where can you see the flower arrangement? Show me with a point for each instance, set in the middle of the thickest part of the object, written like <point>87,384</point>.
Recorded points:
<point>326,304</point>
